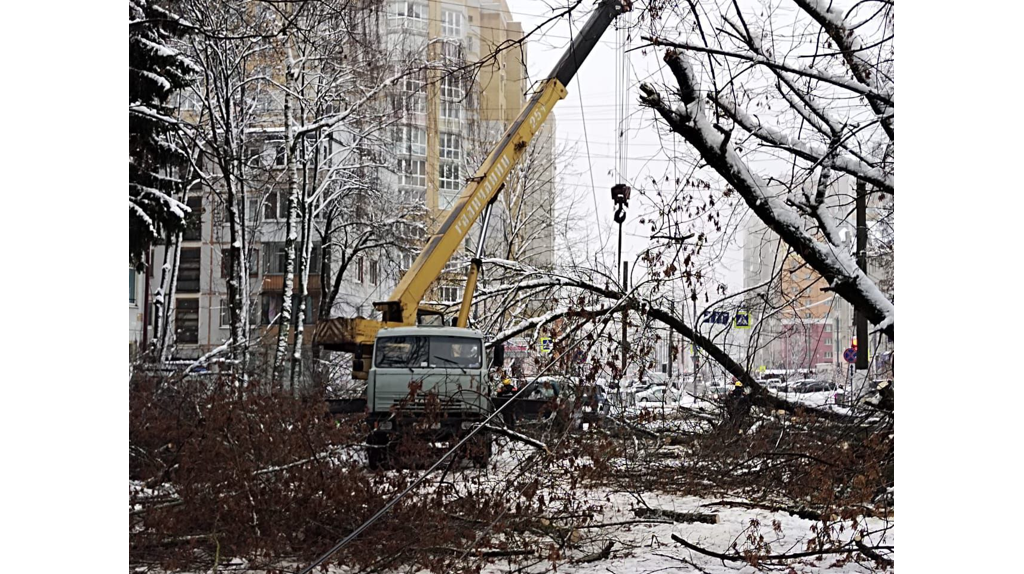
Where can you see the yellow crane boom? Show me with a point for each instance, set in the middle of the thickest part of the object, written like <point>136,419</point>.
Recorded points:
<point>356,335</point>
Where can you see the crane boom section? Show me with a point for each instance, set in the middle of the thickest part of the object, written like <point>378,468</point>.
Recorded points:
<point>404,301</point>
<point>356,334</point>
<point>482,187</point>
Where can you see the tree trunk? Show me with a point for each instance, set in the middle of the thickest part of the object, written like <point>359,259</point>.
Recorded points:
<point>238,273</point>
<point>300,314</point>
<point>168,287</point>
<point>284,321</point>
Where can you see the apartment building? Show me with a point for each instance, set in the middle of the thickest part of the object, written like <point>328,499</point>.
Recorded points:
<point>441,120</point>
<point>455,113</point>
<point>799,324</point>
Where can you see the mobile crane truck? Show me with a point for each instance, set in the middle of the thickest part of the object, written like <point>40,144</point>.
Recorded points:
<point>413,369</point>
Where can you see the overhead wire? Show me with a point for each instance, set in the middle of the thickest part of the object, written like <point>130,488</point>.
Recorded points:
<point>586,138</point>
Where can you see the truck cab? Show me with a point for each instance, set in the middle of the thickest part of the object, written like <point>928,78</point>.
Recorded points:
<point>430,380</point>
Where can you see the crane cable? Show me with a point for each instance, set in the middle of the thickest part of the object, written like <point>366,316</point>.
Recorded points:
<point>621,91</point>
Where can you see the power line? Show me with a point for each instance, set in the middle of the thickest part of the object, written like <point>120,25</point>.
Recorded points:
<point>586,139</point>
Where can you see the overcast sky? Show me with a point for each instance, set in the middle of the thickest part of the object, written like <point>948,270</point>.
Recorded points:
<point>586,117</point>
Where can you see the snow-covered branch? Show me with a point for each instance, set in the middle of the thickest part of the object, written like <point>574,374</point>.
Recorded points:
<point>852,49</point>
<point>838,81</point>
<point>803,149</point>
<point>837,266</point>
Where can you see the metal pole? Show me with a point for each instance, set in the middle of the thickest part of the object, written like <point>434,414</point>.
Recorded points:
<point>862,262</point>
<point>672,311</point>
<point>625,312</point>
<point>693,346</point>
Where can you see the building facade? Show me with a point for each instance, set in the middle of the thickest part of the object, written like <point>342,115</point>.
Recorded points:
<point>438,122</point>
<point>798,324</point>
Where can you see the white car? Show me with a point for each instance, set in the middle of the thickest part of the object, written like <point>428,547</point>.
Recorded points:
<point>653,394</point>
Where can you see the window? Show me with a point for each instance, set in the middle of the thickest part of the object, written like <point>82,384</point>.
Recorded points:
<point>359,269</point>
<point>449,293</point>
<point>225,313</point>
<point>131,285</point>
<point>314,258</point>
<point>194,220</point>
<point>270,307</point>
<point>828,342</point>
<point>451,110</point>
<point>189,270</point>
<point>451,147</point>
<point>415,104</point>
<point>274,258</point>
<point>414,81</point>
<point>250,214</point>
<point>225,216</point>
<point>452,50</point>
<point>254,155</point>
<point>828,328</point>
<point>254,312</point>
<point>272,304</point>
<point>451,177</point>
<point>412,172</point>
<point>410,196</point>
<point>225,263</point>
<point>186,320</point>
<point>373,271</point>
<point>279,155</point>
<point>422,352</point>
<point>451,24</point>
<point>400,352</point>
<point>828,354</point>
<point>414,13</point>
<point>307,311</point>
<point>189,100</point>
<point>275,206</point>
<point>412,140</point>
<point>446,199</point>
<point>450,89</point>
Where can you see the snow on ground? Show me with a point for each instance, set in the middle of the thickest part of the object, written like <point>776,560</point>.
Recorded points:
<point>649,547</point>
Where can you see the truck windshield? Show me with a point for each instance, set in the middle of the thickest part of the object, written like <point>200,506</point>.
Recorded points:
<point>424,352</point>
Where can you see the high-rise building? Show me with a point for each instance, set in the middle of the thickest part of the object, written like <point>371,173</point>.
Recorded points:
<point>457,95</point>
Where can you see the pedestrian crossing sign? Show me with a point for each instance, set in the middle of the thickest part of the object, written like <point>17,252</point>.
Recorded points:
<point>545,345</point>
<point>741,320</point>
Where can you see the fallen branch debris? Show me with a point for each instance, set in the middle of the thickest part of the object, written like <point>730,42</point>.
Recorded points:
<point>507,433</point>
<point>603,554</point>
<point>675,516</point>
<point>776,557</point>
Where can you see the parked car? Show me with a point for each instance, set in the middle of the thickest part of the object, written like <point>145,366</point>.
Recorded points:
<point>653,394</point>
<point>718,389</point>
<point>813,386</point>
<point>533,403</point>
